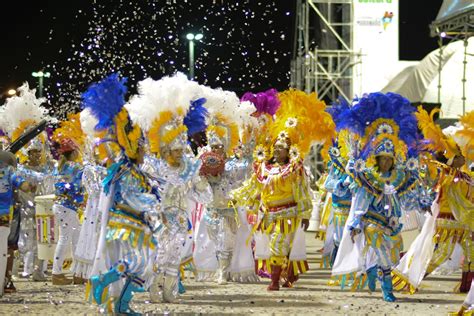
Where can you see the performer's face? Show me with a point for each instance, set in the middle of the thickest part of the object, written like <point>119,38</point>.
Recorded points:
<point>385,163</point>
<point>218,149</point>
<point>281,153</point>
<point>34,157</point>
<point>176,154</point>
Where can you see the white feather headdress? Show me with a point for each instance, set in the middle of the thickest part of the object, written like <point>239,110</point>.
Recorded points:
<point>23,110</point>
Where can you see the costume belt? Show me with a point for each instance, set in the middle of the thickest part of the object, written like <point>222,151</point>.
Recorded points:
<point>377,218</point>
<point>128,209</point>
<point>281,207</point>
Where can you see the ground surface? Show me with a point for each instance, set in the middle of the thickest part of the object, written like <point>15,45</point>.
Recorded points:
<point>310,296</point>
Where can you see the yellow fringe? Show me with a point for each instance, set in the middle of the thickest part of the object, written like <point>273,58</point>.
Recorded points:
<point>401,283</point>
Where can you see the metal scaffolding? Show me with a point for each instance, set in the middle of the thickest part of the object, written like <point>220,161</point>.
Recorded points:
<point>323,55</point>
<point>453,24</point>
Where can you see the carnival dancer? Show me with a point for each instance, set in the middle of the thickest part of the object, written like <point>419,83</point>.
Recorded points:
<point>130,204</point>
<point>222,232</point>
<point>387,127</point>
<point>338,184</point>
<point>19,113</point>
<point>159,109</point>
<point>68,199</point>
<point>36,171</point>
<point>451,211</point>
<point>278,189</point>
<point>9,181</point>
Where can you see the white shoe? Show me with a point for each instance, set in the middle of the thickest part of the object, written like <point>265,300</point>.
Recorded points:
<point>170,289</point>
<point>222,272</point>
<point>221,279</point>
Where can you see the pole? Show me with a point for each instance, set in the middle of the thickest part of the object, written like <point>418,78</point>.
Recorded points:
<point>191,59</point>
<point>40,86</point>
<point>464,62</point>
<point>440,66</point>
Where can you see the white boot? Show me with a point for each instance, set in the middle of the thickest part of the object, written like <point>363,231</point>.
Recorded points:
<point>156,289</point>
<point>223,271</point>
<point>170,289</point>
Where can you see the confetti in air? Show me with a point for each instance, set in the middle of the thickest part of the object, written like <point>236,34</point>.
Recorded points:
<point>246,46</point>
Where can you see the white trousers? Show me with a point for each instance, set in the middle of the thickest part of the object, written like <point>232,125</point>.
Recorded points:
<point>68,235</point>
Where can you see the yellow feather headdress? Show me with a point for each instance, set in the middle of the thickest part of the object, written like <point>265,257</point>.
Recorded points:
<point>465,136</point>
<point>167,132</point>
<point>302,121</point>
<point>70,129</point>
<point>438,141</point>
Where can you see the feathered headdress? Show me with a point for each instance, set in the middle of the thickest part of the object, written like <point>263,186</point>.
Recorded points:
<point>385,123</point>
<point>195,119</point>
<point>342,142</point>
<point>465,135</point>
<point>300,122</point>
<point>69,134</point>
<point>249,125</point>
<point>266,102</point>
<point>159,109</point>
<point>21,112</point>
<point>437,141</point>
<point>224,121</point>
<point>106,100</point>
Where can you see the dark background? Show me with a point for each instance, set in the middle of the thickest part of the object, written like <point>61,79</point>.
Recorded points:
<point>247,45</point>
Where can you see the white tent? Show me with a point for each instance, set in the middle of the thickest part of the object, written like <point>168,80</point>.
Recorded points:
<point>419,82</point>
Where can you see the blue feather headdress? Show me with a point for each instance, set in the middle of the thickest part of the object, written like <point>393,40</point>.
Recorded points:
<point>195,119</point>
<point>339,112</point>
<point>385,123</point>
<point>105,99</point>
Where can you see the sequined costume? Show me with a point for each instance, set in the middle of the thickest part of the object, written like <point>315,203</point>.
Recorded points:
<point>167,110</point>
<point>182,188</point>
<point>129,237</point>
<point>278,190</point>
<point>280,196</point>
<point>38,177</point>
<point>337,183</point>
<point>127,203</point>
<point>221,238</point>
<point>385,127</point>
<point>452,211</point>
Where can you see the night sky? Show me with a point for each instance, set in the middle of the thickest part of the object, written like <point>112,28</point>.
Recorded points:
<point>247,45</point>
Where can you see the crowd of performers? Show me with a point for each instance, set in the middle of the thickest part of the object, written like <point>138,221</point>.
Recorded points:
<point>181,178</point>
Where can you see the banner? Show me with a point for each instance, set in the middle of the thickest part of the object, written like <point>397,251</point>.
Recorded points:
<point>375,37</point>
